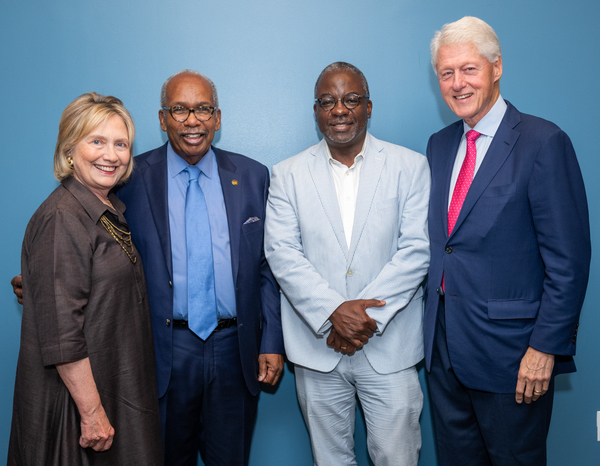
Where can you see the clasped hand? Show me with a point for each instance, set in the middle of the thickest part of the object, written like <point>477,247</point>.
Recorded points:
<point>352,326</point>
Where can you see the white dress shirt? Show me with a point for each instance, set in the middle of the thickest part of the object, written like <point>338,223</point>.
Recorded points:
<point>346,182</point>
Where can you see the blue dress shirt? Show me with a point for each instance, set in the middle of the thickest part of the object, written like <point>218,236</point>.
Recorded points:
<point>211,186</point>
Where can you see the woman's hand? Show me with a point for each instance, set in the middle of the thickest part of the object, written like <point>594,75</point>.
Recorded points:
<point>96,431</point>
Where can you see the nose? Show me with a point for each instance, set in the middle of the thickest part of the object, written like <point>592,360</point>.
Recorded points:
<point>192,120</point>
<point>111,153</point>
<point>339,108</point>
<point>458,81</point>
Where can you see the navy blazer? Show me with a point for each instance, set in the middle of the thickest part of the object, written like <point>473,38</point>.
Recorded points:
<point>517,262</point>
<point>245,184</point>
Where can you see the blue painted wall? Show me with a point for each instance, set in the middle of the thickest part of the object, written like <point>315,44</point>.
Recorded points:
<point>264,56</point>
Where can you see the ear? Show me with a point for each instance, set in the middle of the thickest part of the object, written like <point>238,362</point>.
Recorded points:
<point>497,69</point>
<point>369,108</point>
<point>218,119</point>
<point>161,118</point>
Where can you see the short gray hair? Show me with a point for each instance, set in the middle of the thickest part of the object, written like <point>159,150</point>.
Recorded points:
<point>467,30</point>
<point>213,88</point>
<point>343,66</point>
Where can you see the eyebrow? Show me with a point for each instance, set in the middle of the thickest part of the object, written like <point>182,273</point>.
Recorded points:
<point>200,104</point>
<point>99,136</point>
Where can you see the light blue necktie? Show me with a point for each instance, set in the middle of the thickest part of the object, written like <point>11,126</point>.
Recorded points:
<point>202,306</point>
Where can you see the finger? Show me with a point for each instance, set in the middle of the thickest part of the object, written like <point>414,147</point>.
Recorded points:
<point>363,338</point>
<point>276,377</point>
<point>528,393</point>
<point>373,302</point>
<point>372,326</point>
<point>268,377</point>
<point>519,391</point>
<point>262,370</point>
<point>356,343</point>
<point>330,340</point>
<point>537,393</point>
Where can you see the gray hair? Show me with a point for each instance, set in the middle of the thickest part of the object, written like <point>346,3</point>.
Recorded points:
<point>213,88</point>
<point>343,66</point>
<point>467,30</point>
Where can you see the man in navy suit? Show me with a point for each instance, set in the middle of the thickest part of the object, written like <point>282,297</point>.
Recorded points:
<point>208,389</point>
<point>510,254</point>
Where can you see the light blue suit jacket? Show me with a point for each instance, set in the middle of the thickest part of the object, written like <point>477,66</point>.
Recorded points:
<point>387,258</point>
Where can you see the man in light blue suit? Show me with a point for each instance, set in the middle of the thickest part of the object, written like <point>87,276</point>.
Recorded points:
<point>510,256</point>
<point>346,238</point>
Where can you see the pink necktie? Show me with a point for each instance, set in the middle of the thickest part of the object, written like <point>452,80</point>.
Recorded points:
<point>463,183</point>
<point>465,177</point>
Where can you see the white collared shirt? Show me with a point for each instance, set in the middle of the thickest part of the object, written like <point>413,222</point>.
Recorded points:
<point>346,182</point>
<point>487,126</point>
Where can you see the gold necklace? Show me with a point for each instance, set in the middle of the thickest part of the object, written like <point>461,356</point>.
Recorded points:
<point>123,238</point>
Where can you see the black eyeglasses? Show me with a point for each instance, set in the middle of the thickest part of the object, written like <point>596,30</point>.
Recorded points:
<point>350,101</point>
<point>181,114</point>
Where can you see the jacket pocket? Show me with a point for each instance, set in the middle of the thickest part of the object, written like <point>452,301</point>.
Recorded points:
<point>250,227</point>
<point>391,203</point>
<point>513,309</point>
<point>502,190</point>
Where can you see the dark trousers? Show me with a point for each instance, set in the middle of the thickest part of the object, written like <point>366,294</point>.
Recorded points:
<point>207,406</point>
<point>479,428</point>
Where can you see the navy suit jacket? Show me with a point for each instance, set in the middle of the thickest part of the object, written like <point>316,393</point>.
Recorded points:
<point>245,184</point>
<point>517,262</point>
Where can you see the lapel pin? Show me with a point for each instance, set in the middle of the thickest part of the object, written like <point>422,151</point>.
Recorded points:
<point>234,182</point>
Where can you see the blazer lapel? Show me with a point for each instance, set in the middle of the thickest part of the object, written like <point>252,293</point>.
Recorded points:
<point>155,182</point>
<point>318,167</point>
<point>232,194</point>
<point>370,173</point>
<point>500,148</point>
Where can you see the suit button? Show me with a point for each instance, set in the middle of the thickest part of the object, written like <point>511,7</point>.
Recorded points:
<point>170,283</point>
<point>448,249</point>
<point>350,272</point>
<point>168,322</point>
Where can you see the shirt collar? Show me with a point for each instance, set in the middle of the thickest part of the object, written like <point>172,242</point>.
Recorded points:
<point>489,124</point>
<point>177,164</point>
<point>94,207</point>
<point>361,154</point>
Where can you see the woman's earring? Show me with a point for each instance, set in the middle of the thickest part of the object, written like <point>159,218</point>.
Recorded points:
<point>70,161</point>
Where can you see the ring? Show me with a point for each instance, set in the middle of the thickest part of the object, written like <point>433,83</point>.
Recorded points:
<point>344,347</point>
<point>535,391</point>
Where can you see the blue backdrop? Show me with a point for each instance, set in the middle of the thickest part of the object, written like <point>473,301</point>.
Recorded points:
<point>264,56</point>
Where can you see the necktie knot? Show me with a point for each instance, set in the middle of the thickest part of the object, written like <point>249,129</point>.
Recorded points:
<point>472,135</point>
<point>194,172</point>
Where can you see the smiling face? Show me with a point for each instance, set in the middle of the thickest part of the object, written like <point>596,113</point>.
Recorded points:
<point>343,129</point>
<point>100,159</point>
<point>192,138</point>
<point>469,83</point>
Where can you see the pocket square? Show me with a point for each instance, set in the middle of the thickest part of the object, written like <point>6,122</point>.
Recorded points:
<point>251,220</point>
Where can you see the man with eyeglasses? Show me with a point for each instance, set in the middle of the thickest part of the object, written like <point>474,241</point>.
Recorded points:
<point>346,238</point>
<point>210,361</point>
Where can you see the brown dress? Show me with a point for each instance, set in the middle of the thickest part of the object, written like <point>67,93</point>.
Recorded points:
<point>83,297</point>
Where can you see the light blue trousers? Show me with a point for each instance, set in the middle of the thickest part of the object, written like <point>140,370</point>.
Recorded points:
<point>392,405</point>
